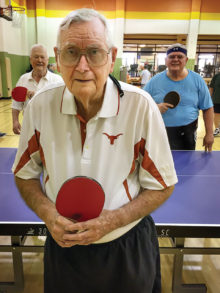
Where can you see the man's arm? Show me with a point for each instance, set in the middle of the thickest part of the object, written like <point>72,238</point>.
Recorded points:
<point>211,90</point>
<point>33,195</point>
<point>64,231</point>
<point>15,121</point>
<point>208,117</point>
<point>163,107</point>
<point>92,230</point>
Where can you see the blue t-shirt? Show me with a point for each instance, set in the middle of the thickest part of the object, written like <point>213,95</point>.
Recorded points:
<point>194,95</point>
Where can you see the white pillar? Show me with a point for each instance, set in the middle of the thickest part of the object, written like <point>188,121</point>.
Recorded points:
<point>119,35</point>
<point>119,26</point>
<point>191,42</point>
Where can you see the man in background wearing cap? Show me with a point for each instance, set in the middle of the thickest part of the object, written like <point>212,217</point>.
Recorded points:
<point>181,122</point>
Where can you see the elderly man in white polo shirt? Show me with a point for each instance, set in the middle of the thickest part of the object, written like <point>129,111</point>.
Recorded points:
<point>92,125</point>
<point>33,81</point>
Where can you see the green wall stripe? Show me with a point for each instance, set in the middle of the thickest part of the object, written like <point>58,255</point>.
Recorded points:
<point>3,74</point>
<point>116,71</point>
<point>19,65</point>
<point>190,64</point>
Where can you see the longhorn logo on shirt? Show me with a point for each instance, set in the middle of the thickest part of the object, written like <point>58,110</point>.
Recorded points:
<point>112,138</point>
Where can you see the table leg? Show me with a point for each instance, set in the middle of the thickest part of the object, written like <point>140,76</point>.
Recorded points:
<point>18,284</point>
<point>177,286</point>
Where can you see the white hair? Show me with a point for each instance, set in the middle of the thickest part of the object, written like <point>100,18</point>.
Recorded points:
<point>84,15</point>
<point>38,46</point>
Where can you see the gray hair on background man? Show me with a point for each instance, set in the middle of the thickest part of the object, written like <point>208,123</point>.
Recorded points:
<point>84,15</point>
<point>38,46</point>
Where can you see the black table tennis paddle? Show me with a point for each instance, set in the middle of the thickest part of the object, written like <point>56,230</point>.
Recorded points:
<point>172,98</point>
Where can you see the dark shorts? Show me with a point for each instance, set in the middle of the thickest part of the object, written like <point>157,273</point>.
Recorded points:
<point>183,137</point>
<point>216,108</point>
<point>128,264</point>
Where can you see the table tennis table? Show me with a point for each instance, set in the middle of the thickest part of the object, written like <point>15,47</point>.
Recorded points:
<point>191,212</point>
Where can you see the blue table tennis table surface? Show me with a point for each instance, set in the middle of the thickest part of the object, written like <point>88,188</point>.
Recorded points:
<point>191,211</point>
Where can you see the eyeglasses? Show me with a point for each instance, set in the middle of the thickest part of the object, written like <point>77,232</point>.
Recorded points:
<point>180,57</point>
<point>36,57</point>
<point>70,56</point>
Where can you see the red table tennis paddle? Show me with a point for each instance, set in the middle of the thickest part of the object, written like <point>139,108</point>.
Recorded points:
<point>80,198</point>
<point>19,93</point>
<point>172,98</point>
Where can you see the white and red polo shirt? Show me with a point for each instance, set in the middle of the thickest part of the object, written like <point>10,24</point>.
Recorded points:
<point>27,80</point>
<point>124,147</point>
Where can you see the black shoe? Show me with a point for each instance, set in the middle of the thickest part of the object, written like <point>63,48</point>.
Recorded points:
<point>2,134</point>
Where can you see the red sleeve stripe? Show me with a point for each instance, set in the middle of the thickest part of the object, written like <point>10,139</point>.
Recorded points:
<point>147,163</point>
<point>125,183</point>
<point>149,166</point>
<point>47,178</point>
<point>139,147</point>
<point>33,146</point>
<point>37,133</point>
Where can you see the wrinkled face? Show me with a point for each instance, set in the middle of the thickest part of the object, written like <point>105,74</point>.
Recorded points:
<point>39,59</point>
<point>84,80</point>
<point>176,61</point>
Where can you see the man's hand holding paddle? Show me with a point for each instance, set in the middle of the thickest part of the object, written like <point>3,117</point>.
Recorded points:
<point>163,107</point>
<point>67,233</point>
<point>20,94</point>
<point>79,204</point>
<point>171,100</point>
